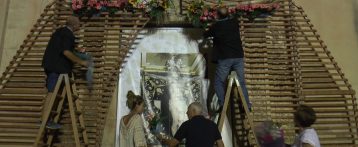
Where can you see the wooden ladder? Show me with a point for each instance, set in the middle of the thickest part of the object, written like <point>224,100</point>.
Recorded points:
<point>66,94</point>
<point>232,82</point>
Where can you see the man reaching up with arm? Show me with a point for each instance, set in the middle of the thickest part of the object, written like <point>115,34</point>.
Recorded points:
<point>198,131</point>
<point>59,58</point>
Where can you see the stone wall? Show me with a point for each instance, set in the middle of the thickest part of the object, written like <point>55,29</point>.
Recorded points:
<point>17,17</point>
<point>337,23</point>
<point>3,18</point>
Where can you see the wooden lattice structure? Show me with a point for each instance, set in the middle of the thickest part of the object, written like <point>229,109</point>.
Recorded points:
<point>107,38</point>
<point>286,64</point>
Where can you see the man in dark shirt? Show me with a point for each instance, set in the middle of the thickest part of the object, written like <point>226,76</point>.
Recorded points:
<point>228,53</point>
<point>59,55</point>
<point>198,131</point>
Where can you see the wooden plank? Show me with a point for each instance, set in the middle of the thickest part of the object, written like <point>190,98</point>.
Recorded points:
<point>15,140</point>
<point>18,125</point>
<point>19,114</point>
<point>24,85</point>
<point>20,108</point>
<point>21,97</point>
<point>328,92</point>
<point>18,135</point>
<point>322,85</point>
<point>20,120</point>
<point>20,103</point>
<point>23,91</point>
<point>321,80</point>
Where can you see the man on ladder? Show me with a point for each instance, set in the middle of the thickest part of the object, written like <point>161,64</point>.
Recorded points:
<point>58,59</point>
<point>228,53</point>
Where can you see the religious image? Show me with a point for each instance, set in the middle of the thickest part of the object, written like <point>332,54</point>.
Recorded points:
<point>169,85</point>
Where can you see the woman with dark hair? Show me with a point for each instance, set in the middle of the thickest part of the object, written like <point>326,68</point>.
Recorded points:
<point>304,118</point>
<point>131,125</point>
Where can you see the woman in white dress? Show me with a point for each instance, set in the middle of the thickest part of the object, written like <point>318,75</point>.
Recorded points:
<point>304,118</point>
<point>131,125</point>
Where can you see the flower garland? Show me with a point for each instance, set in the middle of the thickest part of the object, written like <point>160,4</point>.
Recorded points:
<point>154,8</point>
<point>89,8</point>
<point>201,15</point>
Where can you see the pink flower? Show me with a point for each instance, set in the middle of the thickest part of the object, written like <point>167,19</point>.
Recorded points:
<point>215,16</point>
<point>92,3</point>
<point>254,6</point>
<point>98,6</point>
<point>265,6</point>
<point>74,7</point>
<point>276,6</point>
<point>117,5</point>
<point>79,6</point>
<point>206,12</point>
<point>211,14</point>
<point>232,10</point>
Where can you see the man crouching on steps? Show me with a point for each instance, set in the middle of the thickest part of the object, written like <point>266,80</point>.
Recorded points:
<point>58,59</point>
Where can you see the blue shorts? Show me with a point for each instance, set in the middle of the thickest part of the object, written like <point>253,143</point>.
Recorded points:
<point>51,80</point>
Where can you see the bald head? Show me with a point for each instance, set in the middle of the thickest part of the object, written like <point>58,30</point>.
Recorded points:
<point>222,12</point>
<point>194,109</point>
<point>73,22</point>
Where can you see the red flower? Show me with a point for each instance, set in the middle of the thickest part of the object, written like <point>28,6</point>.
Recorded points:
<point>203,18</point>
<point>98,6</point>
<point>232,10</point>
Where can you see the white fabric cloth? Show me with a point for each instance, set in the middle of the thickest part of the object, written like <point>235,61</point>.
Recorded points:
<point>308,136</point>
<point>132,134</point>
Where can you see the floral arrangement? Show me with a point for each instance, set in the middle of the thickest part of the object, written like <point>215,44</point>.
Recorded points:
<point>201,15</point>
<point>89,8</point>
<point>154,8</point>
<point>155,127</point>
<point>269,133</point>
<point>154,121</point>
